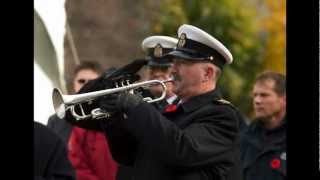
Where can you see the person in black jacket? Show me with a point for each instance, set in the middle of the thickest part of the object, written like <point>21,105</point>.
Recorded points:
<point>197,139</point>
<point>263,144</point>
<point>50,156</point>
<point>160,67</point>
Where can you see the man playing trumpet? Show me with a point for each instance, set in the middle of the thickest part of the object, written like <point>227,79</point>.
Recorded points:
<point>197,140</point>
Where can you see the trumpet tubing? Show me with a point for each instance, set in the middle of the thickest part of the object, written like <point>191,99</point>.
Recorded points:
<point>62,102</point>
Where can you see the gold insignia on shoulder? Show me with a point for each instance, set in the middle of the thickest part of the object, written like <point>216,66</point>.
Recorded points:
<point>157,51</point>
<point>182,40</point>
<point>223,101</point>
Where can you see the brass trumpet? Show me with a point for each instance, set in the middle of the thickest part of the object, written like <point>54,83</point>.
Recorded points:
<point>62,103</point>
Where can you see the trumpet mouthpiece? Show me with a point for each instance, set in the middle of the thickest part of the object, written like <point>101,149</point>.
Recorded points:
<point>168,80</point>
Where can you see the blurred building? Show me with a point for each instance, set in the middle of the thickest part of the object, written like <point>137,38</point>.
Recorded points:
<point>67,32</point>
<point>49,20</point>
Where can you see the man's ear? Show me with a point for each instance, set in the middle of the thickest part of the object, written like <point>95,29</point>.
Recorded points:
<point>208,72</point>
<point>284,99</point>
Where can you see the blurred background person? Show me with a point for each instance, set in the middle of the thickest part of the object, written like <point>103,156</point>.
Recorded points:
<point>50,156</point>
<point>90,155</point>
<point>89,152</point>
<point>263,144</point>
<point>82,74</point>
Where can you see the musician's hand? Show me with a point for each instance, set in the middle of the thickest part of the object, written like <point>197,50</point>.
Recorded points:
<point>120,102</point>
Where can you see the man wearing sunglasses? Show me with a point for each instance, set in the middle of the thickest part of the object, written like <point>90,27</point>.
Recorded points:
<point>197,140</point>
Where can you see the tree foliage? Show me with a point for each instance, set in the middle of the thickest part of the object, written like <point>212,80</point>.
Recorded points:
<point>274,22</point>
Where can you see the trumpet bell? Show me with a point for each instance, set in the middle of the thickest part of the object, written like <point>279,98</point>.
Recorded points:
<point>58,103</point>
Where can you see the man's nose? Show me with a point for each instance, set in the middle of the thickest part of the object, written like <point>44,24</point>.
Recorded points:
<point>174,68</point>
<point>257,99</point>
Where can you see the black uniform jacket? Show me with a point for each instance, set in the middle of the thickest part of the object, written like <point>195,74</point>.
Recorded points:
<point>263,152</point>
<point>50,156</point>
<point>198,141</point>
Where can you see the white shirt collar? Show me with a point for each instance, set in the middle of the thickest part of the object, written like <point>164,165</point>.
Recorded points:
<point>171,99</point>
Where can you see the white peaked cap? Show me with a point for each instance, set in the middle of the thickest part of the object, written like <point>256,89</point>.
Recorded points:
<point>164,41</point>
<point>202,37</point>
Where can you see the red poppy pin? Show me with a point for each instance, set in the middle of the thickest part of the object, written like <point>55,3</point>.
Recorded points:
<point>275,163</point>
<point>171,108</point>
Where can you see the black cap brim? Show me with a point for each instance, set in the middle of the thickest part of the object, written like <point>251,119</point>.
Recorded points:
<point>180,54</point>
<point>155,64</point>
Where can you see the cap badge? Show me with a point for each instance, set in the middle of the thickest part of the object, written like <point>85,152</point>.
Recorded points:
<point>182,40</point>
<point>157,51</point>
